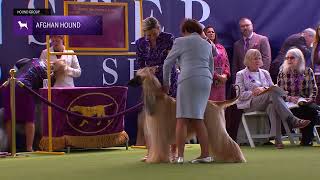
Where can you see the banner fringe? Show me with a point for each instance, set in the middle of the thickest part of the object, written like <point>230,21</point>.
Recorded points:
<point>100,141</point>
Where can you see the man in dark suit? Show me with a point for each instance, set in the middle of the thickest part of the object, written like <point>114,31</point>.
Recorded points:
<point>302,41</point>
<point>249,40</point>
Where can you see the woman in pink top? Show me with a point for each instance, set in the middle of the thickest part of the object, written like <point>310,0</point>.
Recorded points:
<point>221,67</point>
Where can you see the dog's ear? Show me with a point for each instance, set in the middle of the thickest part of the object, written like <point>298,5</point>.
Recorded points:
<point>135,82</point>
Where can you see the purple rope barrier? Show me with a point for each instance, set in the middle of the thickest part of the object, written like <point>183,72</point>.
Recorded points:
<point>61,109</point>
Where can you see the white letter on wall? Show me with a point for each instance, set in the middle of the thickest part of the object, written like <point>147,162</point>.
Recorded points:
<point>205,9</point>
<point>131,67</point>
<point>109,71</point>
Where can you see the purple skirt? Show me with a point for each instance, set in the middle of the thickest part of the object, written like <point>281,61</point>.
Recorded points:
<point>25,105</point>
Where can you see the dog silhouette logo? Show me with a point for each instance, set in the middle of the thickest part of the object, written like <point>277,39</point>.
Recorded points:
<point>23,25</point>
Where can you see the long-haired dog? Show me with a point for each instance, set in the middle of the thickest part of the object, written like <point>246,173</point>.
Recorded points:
<point>160,122</point>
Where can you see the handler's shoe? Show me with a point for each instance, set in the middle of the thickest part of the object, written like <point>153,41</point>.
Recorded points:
<point>144,158</point>
<point>178,160</point>
<point>202,160</point>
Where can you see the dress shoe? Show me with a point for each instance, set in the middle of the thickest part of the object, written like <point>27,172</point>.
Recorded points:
<point>202,160</point>
<point>279,145</point>
<point>306,143</point>
<point>300,123</point>
<point>268,143</point>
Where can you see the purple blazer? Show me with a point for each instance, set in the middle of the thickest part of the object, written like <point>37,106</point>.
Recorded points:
<point>247,84</point>
<point>147,56</point>
<point>256,42</point>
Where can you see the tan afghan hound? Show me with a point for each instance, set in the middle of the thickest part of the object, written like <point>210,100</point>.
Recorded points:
<point>159,117</point>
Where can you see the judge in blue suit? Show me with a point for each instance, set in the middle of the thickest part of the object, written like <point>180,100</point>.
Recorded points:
<point>194,56</point>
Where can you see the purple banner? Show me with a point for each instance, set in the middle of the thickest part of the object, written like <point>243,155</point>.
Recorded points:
<point>86,101</point>
<point>115,30</point>
<point>57,25</point>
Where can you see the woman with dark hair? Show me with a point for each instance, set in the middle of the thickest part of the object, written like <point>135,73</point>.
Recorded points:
<point>221,67</point>
<point>65,67</point>
<point>194,56</point>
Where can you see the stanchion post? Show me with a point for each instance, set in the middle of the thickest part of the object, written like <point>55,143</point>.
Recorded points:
<point>49,95</point>
<point>46,3</point>
<point>12,82</point>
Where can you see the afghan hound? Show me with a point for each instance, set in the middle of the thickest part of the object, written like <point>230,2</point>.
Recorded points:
<point>159,115</point>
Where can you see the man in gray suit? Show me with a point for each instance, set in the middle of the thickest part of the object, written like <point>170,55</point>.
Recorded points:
<point>249,40</point>
<point>302,41</point>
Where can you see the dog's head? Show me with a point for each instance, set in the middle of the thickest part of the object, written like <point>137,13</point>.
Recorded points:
<point>142,74</point>
<point>150,85</point>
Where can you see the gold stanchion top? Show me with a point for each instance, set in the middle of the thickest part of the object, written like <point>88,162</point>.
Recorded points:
<point>12,73</point>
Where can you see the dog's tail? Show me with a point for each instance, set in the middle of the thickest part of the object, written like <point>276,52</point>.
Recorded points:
<point>229,102</point>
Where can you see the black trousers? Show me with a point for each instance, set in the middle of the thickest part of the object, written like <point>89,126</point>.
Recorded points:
<point>308,112</point>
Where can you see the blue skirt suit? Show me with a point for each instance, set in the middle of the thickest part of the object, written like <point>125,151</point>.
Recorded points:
<point>194,57</point>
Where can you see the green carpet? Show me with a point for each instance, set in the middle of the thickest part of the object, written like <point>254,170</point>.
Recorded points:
<point>291,163</point>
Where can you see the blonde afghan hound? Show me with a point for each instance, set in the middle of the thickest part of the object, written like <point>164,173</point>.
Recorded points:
<point>159,117</point>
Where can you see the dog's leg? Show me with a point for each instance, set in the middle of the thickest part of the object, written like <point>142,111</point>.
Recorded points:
<point>222,146</point>
<point>140,132</point>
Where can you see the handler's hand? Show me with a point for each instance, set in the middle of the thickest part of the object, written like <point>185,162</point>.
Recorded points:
<point>165,89</point>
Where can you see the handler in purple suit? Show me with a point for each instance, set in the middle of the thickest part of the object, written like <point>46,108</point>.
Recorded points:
<point>152,50</point>
<point>31,73</point>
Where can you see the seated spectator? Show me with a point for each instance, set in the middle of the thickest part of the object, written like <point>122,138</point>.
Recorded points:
<point>302,41</point>
<point>299,82</point>
<point>253,83</point>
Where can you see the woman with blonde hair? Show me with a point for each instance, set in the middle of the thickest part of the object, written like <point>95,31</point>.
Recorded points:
<point>152,50</point>
<point>254,82</point>
<point>299,81</point>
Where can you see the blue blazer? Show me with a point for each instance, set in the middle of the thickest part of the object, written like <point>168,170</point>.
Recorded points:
<point>193,55</point>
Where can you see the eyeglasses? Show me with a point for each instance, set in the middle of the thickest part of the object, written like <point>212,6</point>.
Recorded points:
<point>290,57</point>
